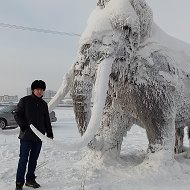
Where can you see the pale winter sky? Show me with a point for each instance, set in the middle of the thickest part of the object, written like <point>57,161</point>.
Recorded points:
<point>26,56</point>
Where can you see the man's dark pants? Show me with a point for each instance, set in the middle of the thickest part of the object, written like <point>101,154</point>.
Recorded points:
<point>29,152</point>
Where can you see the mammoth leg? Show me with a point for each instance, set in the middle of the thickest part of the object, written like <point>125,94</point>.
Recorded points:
<point>161,133</point>
<point>179,135</point>
<point>188,132</point>
<point>157,111</point>
<point>114,126</point>
<point>188,152</point>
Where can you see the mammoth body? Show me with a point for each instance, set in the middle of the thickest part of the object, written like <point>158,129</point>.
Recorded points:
<point>151,93</point>
<point>146,84</point>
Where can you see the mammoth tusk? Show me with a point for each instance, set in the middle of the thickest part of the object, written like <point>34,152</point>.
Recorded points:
<point>62,91</point>
<point>50,141</point>
<point>100,90</point>
<point>101,87</point>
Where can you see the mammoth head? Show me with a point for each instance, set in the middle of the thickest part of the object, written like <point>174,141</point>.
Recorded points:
<point>114,31</point>
<point>140,9</point>
<point>113,34</point>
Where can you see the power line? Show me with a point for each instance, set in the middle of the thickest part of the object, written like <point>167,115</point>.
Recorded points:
<point>31,29</point>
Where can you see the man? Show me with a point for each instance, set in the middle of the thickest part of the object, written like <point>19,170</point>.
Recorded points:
<point>31,109</point>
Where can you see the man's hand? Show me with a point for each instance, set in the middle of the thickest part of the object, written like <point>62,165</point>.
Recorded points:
<point>50,135</point>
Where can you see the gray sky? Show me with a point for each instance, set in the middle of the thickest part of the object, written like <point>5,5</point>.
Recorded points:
<point>26,56</point>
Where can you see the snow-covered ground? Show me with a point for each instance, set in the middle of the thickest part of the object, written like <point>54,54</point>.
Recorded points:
<point>60,170</point>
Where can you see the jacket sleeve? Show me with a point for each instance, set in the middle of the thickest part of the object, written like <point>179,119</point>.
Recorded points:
<point>19,115</point>
<point>48,124</point>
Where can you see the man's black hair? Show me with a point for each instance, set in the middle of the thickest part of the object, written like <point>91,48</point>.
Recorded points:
<point>38,84</point>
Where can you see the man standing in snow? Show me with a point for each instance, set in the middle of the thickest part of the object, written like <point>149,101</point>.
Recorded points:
<point>31,109</point>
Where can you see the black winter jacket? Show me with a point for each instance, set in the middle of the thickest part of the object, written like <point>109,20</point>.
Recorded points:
<point>33,110</point>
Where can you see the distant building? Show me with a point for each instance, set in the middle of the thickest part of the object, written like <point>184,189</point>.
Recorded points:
<point>48,94</point>
<point>28,91</point>
<point>8,99</point>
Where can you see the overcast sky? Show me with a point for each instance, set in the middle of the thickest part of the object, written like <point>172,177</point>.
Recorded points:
<point>26,56</point>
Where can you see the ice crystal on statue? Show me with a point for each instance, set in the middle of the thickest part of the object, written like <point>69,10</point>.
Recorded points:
<point>137,78</point>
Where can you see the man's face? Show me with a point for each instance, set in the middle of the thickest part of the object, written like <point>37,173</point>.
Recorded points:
<point>38,92</point>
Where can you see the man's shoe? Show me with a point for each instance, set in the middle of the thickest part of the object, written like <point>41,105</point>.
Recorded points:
<point>18,186</point>
<point>33,184</point>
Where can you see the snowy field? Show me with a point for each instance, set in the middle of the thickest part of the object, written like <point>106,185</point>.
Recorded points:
<point>60,170</point>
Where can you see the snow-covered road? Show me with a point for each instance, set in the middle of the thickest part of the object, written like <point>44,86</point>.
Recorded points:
<point>60,170</point>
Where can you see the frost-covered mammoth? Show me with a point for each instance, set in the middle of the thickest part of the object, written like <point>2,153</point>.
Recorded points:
<point>136,79</point>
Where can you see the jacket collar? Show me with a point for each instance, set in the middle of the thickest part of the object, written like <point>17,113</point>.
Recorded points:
<point>34,96</point>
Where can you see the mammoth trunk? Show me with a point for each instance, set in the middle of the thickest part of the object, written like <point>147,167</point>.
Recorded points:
<point>82,92</point>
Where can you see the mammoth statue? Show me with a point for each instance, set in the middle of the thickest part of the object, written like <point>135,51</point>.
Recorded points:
<point>139,75</point>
